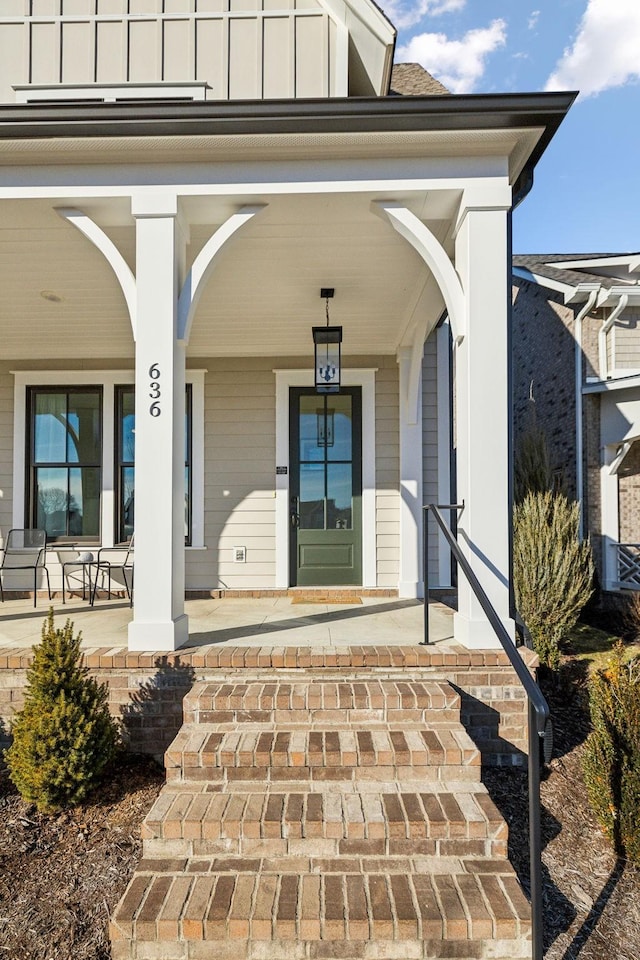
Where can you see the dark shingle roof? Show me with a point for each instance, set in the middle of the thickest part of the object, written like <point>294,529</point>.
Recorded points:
<point>544,265</point>
<point>412,80</point>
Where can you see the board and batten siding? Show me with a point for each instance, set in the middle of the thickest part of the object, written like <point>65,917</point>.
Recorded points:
<point>239,49</point>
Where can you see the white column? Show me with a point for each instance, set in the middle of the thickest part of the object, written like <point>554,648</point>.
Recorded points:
<point>610,518</point>
<point>159,621</point>
<point>410,580</point>
<point>482,422</point>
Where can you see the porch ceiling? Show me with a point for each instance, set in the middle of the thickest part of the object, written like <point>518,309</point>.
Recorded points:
<point>262,298</point>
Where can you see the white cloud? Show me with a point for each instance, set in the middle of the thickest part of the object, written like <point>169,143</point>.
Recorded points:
<point>605,51</point>
<point>406,13</point>
<point>458,64</point>
<point>533,19</point>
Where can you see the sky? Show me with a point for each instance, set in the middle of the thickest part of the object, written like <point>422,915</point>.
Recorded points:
<point>586,193</point>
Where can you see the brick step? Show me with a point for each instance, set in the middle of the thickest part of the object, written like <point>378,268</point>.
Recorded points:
<point>321,818</point>
<point>203,752</point>
<point>322,702</point>
<point>288,913</point>
<point>333,824</point>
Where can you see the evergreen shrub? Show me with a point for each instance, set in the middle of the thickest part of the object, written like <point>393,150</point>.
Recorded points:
<point>64,736</point>
<point>611,763</point>
<point>552,570</point>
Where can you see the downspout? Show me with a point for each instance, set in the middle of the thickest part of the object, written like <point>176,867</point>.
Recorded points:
<point>578,385</point>
<point>604,329</point>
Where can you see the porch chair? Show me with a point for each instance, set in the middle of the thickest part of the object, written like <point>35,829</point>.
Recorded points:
<point>113,560</point>
<point>25,550</point>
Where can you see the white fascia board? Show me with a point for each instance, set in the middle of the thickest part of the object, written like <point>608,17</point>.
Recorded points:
<point>623,261</point>
<point>616,383</point>
<point>611,296</point>
<point>249,183</point>
<point>564,288</point>
<point>634,265</point>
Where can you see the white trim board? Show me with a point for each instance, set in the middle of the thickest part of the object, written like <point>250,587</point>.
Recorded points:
<point>108,380</point>
<point>365,379</point>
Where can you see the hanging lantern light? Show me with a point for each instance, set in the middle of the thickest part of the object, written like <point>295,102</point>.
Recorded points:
<point>326,343</point>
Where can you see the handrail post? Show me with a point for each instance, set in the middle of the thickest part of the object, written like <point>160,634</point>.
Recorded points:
<point>425,575</point>
<point>535,838</point>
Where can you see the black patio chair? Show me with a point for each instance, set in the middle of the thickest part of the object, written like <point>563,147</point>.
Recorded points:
<point>112,560</point>
<point>25,550</point>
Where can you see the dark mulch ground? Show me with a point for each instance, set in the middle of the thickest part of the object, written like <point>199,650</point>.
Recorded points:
<point>61,876</point>
<point>591,901</point>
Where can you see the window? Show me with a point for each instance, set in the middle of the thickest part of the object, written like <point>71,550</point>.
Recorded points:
<point>64,455</point>
<point>125,463</point>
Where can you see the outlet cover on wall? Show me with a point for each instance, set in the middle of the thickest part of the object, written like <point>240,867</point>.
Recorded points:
<point>239,554</point>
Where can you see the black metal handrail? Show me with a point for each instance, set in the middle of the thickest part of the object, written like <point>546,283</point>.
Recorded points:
<point>538,710</point>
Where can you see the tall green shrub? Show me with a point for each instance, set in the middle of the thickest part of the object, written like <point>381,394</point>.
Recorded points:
<point>611,761</point>
<point>532,469</point>
<point>64,736</point>
<point>552,570</point>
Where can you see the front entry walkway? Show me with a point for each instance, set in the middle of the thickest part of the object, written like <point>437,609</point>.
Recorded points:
<point>263,621</point>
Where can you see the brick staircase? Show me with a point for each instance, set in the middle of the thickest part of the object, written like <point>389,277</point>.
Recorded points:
<point>311,817</point>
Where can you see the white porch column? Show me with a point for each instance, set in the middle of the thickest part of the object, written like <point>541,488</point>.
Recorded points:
<point>482,422</point>
<point>610,520</point>
<point>159,621</point>
<point>410,580</point>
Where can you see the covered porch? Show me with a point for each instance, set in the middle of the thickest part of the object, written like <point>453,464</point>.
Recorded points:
<point>164,287</point>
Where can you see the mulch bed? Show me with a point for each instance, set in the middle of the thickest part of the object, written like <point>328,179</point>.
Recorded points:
<point>591,901</point>
<point>61,876</point>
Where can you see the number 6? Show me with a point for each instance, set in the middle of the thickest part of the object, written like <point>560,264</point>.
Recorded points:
<point>154,371</point>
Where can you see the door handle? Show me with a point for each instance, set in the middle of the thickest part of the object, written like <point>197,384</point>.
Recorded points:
<point>295,516</point>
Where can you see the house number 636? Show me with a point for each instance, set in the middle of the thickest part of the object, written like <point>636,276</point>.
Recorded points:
<point>154,390</point>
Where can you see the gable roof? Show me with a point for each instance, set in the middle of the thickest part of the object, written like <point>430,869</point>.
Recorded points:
<point>550,266</point>
<point>412,80</point>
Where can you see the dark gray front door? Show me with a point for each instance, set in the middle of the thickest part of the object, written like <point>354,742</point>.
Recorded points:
<point>326,487</point>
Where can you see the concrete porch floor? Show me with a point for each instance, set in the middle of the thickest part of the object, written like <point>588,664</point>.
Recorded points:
<point>264,621</point>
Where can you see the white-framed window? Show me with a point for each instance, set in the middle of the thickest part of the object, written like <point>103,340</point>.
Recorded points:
<point>73,457</point>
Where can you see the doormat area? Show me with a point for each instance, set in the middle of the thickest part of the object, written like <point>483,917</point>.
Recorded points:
<point>326,599</point>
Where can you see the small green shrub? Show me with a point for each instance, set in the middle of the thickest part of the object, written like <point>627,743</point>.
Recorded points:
<point>552,570</point>
<point>611,763</point>
<point>64,736</point>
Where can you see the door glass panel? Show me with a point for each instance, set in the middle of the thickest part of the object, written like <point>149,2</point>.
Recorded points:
<point>311,428</point>
<point>311,507</point>
<point>339,496</point>
<point>339,428</point>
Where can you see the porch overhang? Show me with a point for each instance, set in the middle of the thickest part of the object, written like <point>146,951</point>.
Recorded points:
<point>67,128</point>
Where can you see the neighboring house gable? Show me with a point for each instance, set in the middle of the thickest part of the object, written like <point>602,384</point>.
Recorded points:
<point>576,366</point>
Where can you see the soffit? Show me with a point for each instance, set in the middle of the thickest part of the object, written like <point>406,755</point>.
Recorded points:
<point>261,300</point>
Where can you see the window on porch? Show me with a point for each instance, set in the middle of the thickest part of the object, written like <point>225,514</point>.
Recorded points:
<point>65,462</point>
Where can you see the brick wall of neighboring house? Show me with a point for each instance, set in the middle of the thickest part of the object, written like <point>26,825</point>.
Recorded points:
<point>543,368</point>
<point>629,496</point>
<point>544,364</point>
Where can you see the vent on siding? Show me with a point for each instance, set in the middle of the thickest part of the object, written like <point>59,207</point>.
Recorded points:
<point>239,554</point>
